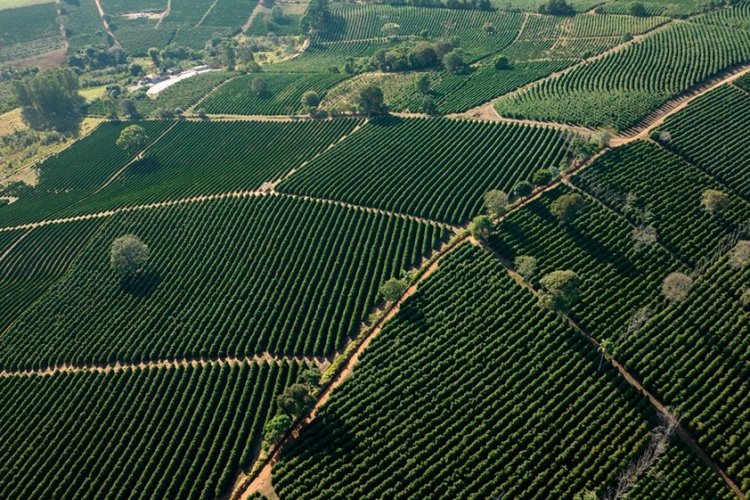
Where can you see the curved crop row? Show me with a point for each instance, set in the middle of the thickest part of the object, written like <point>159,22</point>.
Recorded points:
<point>180,432</point>
<point>438,169</point>
<point>226,277</point>
<point>620,89</point>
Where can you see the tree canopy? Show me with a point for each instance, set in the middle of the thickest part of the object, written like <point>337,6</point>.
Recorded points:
<point>567,206</point>
<point>132,139</point>
<point>370,100</point>
<point>50,100</point>
<point>676,287</point>
<point>561,289</point>
<point>495,202</point>
<point>392,289</point>
<point>128,255</point>
<point>714,201</point>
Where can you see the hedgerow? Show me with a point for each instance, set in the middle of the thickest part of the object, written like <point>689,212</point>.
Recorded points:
<point>432,168</point>
<point>178,432</point>
<point>472,390</point>
<point>235,277</point>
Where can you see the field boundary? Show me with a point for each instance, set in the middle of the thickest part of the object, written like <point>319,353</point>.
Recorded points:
<point>266,357</point>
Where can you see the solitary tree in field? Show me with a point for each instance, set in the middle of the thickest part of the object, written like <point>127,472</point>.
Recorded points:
<point>128,254</point>
<point>676,287</point>
<point>561,289</point>
<point>392,289</point>
<point>260,86</point>
<point>643,236</point>
<point>637,9</point>
<point>274,429</point>
<point>495,202</point>
<point>481,227</point>
<point>740,255</point>
<point>132,139</point>
<point>566,207</point>
<point>605,348</point>
<point>454,61</point>
<point>542,176</point>
<point>310,99</point>
<point>370,100</point>
<point>526,266</point>
<point>714,201</point>
<point>502,63</point>
<point>429,106</point>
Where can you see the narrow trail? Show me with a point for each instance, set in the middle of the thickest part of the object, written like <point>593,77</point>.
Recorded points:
<point>262,480</point>
<point>251,18</point>
<point>107,28</point>
<point>320,362</point>
<point>263,191</point>
<point>658,116</point>
<point>164,14</point>
<point>208,11</point>
<point>138,157</point>
<point>633,381</point>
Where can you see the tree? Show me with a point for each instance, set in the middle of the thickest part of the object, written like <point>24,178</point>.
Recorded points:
<point>135,69</point>
<point>370,100</point>
<point>502,63</point>
<point>557,8</point>
<point>566,207</point>
<point>260,86</point>
<point>153,53</point>
<point>422,56</point>
<point>643,235</point>
<point>637,9</point>
<point>523,189</point>
<point>714,201</point>
<point>676,287</point>
<point>489,28</point>
<point>542,177</point>
<point>390,29</point>
<point>495,202</point>
<point>481,227</point>
<point>311,377</point>
<point>423,85</point>
<point>526,266</point>
<point>605,347</point>
<point>275,429</point>
<point>129,108</point>
<point>561,289</point>
<point>132,139</point>
<point>296,400</point>
<point>454,61</point>
<point>317,17</point>
<point>128,255</point>
<point>50,99</point>
<point>310,99</point>
<point>392,289</point>
<point>740,255</point>
<point>429,106</point>
<point>277,15</point>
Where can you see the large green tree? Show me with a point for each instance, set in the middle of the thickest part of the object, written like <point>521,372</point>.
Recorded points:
<point>50,100</point>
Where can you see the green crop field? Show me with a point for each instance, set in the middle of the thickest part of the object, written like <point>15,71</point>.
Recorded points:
<point>283,95</point>
<point>506,255</point>
<point>709,133</point>
<point>28,31</point>
<point>277,247</point>
<point>620,89</point>
<point>166,432</point>
<point>385,166</point>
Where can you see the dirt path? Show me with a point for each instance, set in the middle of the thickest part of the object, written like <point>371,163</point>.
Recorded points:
<point>164,14</point>
<point>660,407</point>
<point>266,190</point>
<point>262,481</point>
<point>658,116</point>
<point>107,28</point>
<point>251,18</point>
<point>208,11</point>
<point>138,157</point>
<point>266,357</point>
